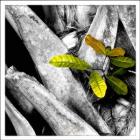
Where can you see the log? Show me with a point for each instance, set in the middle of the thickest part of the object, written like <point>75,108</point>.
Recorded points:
<point>42,44</point>
<point>124,42</point>
<point>19,97</point>
<point>61,119</point>
<point>12,22</point>
<point>121,123</point>
<point>103,27</point>
<point>127,14</point>
<point>70,40</point>
<point>62,17</point>
<point>21,125</point>
<point>85,15</point>
<point>53,18</point>
<point>126,123</point>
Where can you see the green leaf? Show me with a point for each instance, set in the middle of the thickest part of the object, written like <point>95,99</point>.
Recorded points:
<point>115,52</point>
<point>97,45</point>
<point>97,84</point>
<point>66,60</point>
<point>124,62</point>
<point>117,85</point>
<point>119,72</point>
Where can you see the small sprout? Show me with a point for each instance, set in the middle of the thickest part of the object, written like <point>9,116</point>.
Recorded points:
<point>96,81</point>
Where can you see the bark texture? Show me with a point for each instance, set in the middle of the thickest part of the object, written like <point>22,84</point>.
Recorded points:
<point>66,91</point>
<point>42,44</point>
<point>62,120</point>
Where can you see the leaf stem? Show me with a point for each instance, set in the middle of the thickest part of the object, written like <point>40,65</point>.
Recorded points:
<point>131,71</point>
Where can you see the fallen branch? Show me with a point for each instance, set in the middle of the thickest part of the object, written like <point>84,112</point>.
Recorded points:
<point>21,125</point>
<point>63,18</point>
<point>61,119</point>
<point>85,15</point>
<point>53,18</point>
<point>127,15</point>
<point>70,40</point>
<point>12,22</point>
<point>42,44</point>
<point>19,97</point>
<point>124,41</point>
<point>104,27</point>
<point>127,124</point>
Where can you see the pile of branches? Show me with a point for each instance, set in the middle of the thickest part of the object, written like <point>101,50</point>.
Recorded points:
<point>44,100</point>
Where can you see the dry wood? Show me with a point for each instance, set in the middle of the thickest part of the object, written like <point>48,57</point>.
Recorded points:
<point>127,14</point>
<point>53,18</point>
<point>127,124</point>
<point>19,97</point>
<point>62,120</point>
<point>104,28</point>
<point>21,125</point>
<point>42,44</point>
<point>70,40</point>
<point>12,22</point>
<point>85,15</point>
<point>62,17</point>
<point>120,115</point>
<point>22,101</point>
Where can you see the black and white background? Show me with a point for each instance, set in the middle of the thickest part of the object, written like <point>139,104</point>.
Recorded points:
<point>115,26</point>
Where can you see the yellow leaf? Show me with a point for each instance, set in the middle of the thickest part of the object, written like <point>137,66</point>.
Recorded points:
<point>116,52</point>
<point>97,84</point>
<point>97,45</point>
<point>69,61</point>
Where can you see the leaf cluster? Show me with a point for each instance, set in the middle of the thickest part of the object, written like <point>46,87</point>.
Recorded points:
<point>96,81</point>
